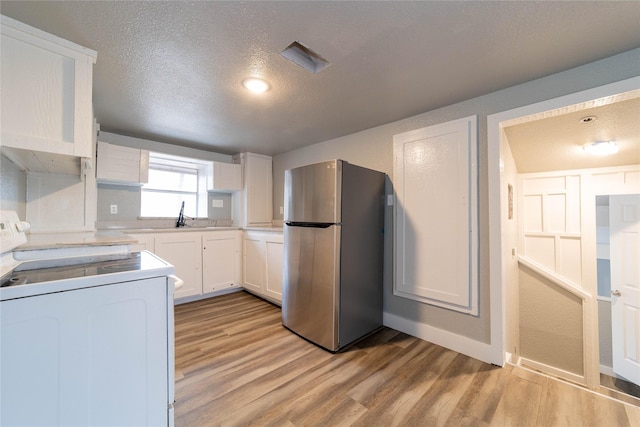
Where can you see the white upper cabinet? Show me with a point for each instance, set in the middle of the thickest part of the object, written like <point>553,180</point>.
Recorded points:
<point>224,177</point>
<point>255,204</point>
<point>122,165</point>
<point>46,85</point>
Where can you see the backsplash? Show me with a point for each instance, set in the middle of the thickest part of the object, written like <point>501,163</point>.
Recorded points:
<point>13,191</point>
<point>127,200</point>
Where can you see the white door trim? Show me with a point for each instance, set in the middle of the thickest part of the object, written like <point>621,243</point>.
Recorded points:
<point>495,123</point>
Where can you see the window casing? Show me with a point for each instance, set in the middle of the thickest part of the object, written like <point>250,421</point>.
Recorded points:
<point>173,180</point>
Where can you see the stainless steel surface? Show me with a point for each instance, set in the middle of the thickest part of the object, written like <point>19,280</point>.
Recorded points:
<point>333,247</point>
<point>313,193</point>
<point>311,260</point>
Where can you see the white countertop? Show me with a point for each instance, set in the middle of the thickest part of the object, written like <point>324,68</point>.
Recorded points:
<point>176,229</point>
<point>75,239</point>
<point>201,229</point>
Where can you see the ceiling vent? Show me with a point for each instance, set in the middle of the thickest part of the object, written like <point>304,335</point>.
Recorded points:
<point>301,55</point>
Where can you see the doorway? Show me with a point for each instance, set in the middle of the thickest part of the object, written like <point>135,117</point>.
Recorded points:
<point>504,241</point>
<point>610,299</point>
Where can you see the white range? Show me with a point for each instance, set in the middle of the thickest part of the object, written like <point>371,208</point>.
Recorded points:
<point>86,333</point>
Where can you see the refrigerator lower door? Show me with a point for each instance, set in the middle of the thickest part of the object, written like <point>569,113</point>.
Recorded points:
<point>311,283</point>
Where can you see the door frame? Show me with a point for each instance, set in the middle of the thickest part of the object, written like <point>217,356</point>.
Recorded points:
<point>495,125</point>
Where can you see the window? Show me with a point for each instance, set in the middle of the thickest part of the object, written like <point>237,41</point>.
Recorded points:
<point>173,180</point>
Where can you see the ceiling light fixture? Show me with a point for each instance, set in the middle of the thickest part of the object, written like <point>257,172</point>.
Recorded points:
<point>255,85</point>
<point>601,148</point>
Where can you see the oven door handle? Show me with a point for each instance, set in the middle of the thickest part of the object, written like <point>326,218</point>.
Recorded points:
<point>178,282</point>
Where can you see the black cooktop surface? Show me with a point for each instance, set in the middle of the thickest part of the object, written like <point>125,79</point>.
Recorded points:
<point>123,263</point>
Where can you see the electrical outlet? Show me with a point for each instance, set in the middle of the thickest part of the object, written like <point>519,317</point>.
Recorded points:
<point>114,209</point>
<point>281,210</point>
<point>217,203</point>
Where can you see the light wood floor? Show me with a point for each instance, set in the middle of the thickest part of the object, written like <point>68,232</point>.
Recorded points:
<point>236,365</point>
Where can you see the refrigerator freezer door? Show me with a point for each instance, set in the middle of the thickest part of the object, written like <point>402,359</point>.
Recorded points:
<point>311,285</point>
<point>313,193</point>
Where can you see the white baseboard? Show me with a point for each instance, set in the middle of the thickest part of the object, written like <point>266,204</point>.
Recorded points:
<point>607,370</point>
<point>461,344</point>
<point>511,359</point>
<point>550,370</point>
<point>193,298</point>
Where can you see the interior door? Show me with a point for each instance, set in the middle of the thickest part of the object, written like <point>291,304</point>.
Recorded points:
<point>624,222</point>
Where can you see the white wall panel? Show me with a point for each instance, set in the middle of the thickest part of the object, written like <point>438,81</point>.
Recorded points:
<point>555,207</point>
<point>436,217</point>
<point>541,249</point>
<point>570,259</point>
<point>533,209</point>
<point>544,185</point>
<point>573,214</point>
<point>551,230</point>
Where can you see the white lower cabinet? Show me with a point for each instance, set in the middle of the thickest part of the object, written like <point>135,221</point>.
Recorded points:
<point>210,262</point>
<point>262,266</point>
<point>220,261</point>
<point>207,261</point>
<point>184,251</point>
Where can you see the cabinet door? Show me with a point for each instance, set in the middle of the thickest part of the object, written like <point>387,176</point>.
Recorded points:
<point>254,263</point>
<point>259,190</point>
<point>225,177</point>
<point>220,260</point>
<point>184,251</point>
<point>95,356</point>
<point>122,164</point>
<point>46,90</point>
<point>274,250</point>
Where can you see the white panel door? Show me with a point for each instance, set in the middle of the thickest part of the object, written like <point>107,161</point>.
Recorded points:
<point>435,182</point>
<point>624,221</point>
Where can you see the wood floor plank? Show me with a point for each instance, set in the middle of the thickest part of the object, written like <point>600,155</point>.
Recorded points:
<point>481,399</point>
<point>520,403</point>
<point>441,399</point>
<point>393,400</point>
<point>236,365</point>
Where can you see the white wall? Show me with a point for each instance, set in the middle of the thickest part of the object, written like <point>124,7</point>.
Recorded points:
<point>373,148</point>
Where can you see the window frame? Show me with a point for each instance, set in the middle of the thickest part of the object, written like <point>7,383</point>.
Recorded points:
<point>169,162</point>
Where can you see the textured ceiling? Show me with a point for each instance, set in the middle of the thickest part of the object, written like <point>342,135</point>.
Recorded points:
<point>172,71</point>
<point>555,142</point>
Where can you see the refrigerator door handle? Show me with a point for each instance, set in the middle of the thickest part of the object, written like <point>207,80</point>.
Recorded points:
<point>310,224</point>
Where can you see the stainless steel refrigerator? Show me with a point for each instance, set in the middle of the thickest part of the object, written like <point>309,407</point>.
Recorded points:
<point>333,252</point>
